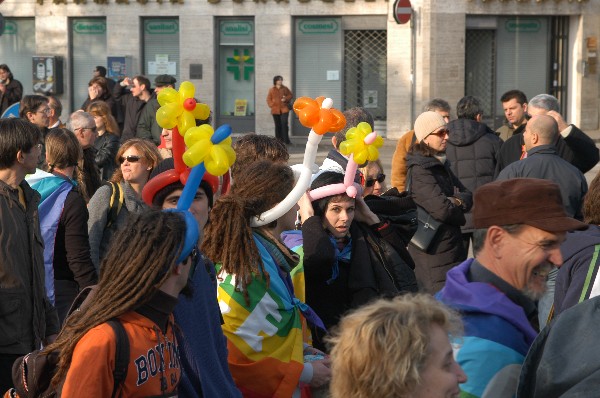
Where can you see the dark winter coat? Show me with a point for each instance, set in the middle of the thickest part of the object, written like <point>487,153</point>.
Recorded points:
<point>133,109</point>
<point>580,262</point>
<point>543,162</point>
<point>472,151</point>
<point>576,148</point>
<point>13,94</point>
<point>107,146</point>
<point>361,280</point>
<point>431,183</point>
<point>26,315</point>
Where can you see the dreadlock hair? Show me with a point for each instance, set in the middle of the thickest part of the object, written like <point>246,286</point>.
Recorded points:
<point>322,180</point>
<point>140,259</point>
<point>258,188</point>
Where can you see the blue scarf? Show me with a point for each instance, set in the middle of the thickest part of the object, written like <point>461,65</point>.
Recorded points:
<point>344,255</point>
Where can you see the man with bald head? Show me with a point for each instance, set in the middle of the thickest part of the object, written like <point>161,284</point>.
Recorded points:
<point>542,161</point>
<point>540,136</point>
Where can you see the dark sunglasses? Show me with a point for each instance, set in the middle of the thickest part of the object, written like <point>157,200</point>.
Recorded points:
<point>371,181</point>
<point>441,133</point>
<point>130,159</point>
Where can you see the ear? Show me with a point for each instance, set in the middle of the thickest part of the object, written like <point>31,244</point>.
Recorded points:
<point>525,106</point>
<point>29,116</point>
<point>479,117</point>
<point>334,141</point>
<point>495,240</point>
<point>20,157</point>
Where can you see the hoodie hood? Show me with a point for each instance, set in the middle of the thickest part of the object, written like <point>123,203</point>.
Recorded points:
<point>292,239</point>
<point>477,297</point>
<point>577,241</point>
<point>465,132</point>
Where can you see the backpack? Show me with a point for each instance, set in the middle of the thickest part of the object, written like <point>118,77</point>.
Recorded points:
<point>32,373</point>
<point>116,202</point>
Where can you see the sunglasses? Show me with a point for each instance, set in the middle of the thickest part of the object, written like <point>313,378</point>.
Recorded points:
<point>371,181</point>
<point>130,159</point>
<point>441,133</point>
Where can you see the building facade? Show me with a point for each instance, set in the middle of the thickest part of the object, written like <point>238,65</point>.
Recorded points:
<point>350,50</point>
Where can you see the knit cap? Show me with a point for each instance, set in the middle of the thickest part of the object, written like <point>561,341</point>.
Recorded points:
<point>427,123</point>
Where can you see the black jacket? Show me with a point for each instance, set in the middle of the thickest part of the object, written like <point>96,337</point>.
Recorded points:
<point>13,93</point>
<point>364,278</point>
<point>431,183</point>
<point>577,148</point>
<point>107,146</point>
<point>147,126</point>
<point>133,109</point>
<point>26,315</point>
<point>472,151</point>
<point>543,162</point>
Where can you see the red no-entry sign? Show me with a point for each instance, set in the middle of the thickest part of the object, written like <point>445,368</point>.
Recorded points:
<point>402,11</point>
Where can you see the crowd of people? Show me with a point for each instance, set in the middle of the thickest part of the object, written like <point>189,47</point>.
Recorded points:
<point>364,292</point>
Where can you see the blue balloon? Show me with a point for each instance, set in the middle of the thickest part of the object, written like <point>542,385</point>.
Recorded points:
<point>191,187</point>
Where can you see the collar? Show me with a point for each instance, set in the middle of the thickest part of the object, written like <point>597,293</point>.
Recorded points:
<point>478,273</point>
<point>546,149</point>
<point>158,309</point>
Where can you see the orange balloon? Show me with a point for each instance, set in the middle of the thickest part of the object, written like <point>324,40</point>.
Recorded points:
<point>339,121</point>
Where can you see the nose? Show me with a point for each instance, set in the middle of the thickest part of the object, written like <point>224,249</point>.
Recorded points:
<point>555,257</point>
<point>344,216</point>
<point>461,376</point>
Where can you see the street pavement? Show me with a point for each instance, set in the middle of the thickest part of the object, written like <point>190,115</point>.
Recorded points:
<point>387,150</point>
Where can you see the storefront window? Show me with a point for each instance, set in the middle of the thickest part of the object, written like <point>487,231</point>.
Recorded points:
<point>17,46</point>
<point>88,50</point>
<point>161,47</point>
<point>236,68</point>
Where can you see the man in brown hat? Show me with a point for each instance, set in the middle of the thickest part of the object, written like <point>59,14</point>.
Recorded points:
<point>147,125</point>
<point>520,224</point>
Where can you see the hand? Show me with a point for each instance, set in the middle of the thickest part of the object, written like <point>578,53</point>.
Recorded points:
<point>93,92</point>
<point>362,213</point>
<point>321,373</point>
<point>126,82</point>
<point>306,209</point>
<point>559,120</point>
<point>2,88</point>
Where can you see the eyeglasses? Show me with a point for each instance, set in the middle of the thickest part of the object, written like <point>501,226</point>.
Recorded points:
<point>45,110</point>
<point>92,129</point>
<point>371,181</point>
<point>130,159</point>
<point>441,133</point>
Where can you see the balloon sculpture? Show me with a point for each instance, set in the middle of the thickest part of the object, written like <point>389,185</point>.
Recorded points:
<point>361,144</point>
<point>208,150</point>
<point>321,118</point>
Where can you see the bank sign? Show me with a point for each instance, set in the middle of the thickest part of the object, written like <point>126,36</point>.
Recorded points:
<point>161,26</point>
<point>318,26</point>
<point>89,27</point>
<point>236,28</point>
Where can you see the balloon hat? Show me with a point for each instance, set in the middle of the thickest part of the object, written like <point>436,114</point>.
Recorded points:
<point>208,150</point>
<point>320,117</point>
<point>361,145</point>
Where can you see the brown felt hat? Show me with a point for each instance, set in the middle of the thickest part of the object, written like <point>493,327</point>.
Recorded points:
<point>529,201</point>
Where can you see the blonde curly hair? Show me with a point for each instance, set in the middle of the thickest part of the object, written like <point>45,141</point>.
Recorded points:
<point>380,349</point>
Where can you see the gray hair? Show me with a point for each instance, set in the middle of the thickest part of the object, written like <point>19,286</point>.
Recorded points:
<point>437,104</point>
<point>545,101</point>
<point>79,119</point>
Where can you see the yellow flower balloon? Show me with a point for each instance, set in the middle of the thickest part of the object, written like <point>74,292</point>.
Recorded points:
<point>362,143</point>
<point>179,108</point>
<point>211,147</point>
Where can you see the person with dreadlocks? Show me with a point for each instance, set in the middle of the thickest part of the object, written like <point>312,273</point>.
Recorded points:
<point>63,221</point>
<point>150,262</point>
<point>262,316</point>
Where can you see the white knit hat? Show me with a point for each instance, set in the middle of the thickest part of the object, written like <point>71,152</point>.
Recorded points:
<point>427,123</point>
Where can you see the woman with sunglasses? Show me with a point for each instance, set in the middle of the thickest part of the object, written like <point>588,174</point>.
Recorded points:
<point>374,179</point>
<point>437,190</point>
<point>137,158</point>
